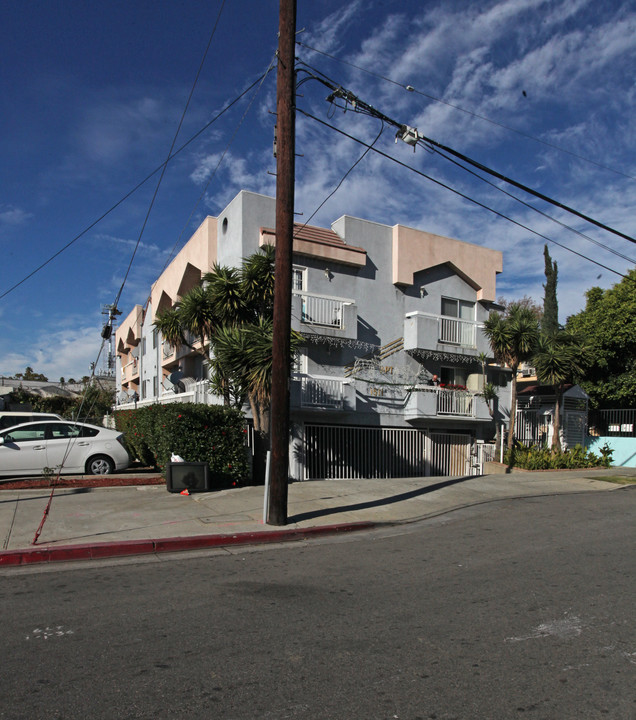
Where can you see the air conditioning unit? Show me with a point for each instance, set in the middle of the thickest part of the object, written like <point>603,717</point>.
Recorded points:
<point>527,372</point>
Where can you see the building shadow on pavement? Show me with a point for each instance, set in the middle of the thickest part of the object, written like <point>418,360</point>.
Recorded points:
<point>391,500</point>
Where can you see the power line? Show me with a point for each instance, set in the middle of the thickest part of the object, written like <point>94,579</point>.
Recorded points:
<point>540,212</point>
<point>413,137</point>
<point>174,142</point>
<point>457,192</point>
<point>136,187</point>
<point>344,177</point>
<point>222,157</point>
<point>410,88</point>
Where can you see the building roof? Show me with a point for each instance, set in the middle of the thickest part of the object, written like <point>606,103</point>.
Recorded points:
<point>320,242</point>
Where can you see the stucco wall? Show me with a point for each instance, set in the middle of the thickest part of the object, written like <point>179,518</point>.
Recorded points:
<point>624,449</point>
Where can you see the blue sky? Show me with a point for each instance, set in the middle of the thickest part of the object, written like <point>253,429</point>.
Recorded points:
<point>92,94</point>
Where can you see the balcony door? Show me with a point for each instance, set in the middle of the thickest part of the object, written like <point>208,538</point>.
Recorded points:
<point>460,329</point>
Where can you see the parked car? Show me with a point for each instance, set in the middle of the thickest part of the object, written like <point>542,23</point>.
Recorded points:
<point>77,448</point>
<point>9,418</point>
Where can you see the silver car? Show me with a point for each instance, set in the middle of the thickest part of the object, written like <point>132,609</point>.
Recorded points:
<point>78,448</point>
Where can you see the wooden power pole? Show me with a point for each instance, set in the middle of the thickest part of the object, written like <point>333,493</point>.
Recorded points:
<point>285,159</point>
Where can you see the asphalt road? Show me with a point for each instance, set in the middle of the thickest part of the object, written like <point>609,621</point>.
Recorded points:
<point>515,609</point>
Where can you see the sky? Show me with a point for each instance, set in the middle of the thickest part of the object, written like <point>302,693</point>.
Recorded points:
<point>93,94</point>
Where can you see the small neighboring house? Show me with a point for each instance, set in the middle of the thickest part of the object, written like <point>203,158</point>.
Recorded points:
<point>535,415</point>
<point>41,388</point>
<point>388,382</point>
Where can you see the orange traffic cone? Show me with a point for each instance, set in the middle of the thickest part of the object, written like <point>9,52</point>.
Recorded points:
<point>184,492</point>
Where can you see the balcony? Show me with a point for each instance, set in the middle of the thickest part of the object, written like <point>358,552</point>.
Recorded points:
<point>324,315</point>
<point>441,403</point>
<point>322,393</point>
<point>423,331</point>
<point>170,354</point>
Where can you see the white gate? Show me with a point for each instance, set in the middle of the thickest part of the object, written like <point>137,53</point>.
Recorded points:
<point>450,454</point>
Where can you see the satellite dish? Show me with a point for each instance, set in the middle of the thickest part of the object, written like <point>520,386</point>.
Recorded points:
<point>175,377</point>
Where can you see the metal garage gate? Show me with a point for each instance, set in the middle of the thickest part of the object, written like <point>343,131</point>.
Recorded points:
<point>450,454</point>
<point>338,452</point>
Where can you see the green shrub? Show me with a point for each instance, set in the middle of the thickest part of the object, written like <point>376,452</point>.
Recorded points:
<point>195,432</point>
<point>542,458</point>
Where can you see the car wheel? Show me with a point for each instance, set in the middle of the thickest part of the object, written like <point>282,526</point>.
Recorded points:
<point>100,465</point>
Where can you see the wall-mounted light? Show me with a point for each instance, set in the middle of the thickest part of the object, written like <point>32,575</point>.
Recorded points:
<point>423,291</point>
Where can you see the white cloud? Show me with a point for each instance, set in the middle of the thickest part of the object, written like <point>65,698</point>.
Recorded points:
<point>10,215</point>
<point>327,35</point>
<point>64,353</point>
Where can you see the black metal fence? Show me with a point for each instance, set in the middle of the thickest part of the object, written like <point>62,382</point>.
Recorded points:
<point>617,423</point>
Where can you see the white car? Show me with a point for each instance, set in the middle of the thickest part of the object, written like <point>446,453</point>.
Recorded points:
<point>77,448</point>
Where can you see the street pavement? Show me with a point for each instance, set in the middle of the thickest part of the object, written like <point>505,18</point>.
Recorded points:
<point>92,523</point>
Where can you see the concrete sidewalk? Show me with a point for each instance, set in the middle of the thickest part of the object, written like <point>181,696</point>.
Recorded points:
<point>110,522</point>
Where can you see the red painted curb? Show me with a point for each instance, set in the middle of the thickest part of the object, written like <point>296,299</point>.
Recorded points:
<point>30,556</point>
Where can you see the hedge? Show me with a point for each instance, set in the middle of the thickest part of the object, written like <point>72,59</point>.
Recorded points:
<point>196,432</point>
<point>543,458</point>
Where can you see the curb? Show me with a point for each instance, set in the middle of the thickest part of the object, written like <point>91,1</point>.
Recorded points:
<point>99,551</point>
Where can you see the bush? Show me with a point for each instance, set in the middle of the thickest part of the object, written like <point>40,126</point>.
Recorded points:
<point>542,458</point>
<point>197,433</point>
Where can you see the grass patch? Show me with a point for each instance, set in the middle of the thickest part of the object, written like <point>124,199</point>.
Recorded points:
<point>617,479</point>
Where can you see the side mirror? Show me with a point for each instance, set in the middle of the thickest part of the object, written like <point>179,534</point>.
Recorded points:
<point>2,440</point>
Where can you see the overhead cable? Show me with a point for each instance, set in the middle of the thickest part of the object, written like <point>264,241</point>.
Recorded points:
<point>540,212</point>
<point>165,165</point>
<point>413,137</point>
<point>136,187</point>
<point>412,89</point>
<point>457,192</point>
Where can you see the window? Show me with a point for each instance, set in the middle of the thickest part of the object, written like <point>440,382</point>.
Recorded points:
<point>143,346</point>
<point>57,431</point>
<point>24,434</point>
<point>299,279</point>
<point>453,376</point>
<point>155,386</point>
<point>462,309</point>
<point>154,338</point>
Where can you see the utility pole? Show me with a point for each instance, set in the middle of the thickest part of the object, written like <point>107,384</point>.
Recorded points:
<point>285,158</point>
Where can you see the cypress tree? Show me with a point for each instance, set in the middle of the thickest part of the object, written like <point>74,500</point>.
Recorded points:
<point>550,323</point>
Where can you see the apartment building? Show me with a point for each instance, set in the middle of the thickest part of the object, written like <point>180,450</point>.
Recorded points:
<point>388,380</point>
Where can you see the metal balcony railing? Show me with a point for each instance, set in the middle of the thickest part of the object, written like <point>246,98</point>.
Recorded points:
<point>323,310</point>
<point>455,402</point>
<point>321,392</point>
<point>457,332</point>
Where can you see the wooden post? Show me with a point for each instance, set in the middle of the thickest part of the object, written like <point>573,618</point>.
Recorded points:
<point>285,158</point>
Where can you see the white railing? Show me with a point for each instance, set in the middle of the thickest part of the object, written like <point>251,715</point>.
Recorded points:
<point>323,310</point>
<point>321,392</point>
<point>455,402</point>
<point>457,332</point>
<point>196,391</point>
<point>460,403</point>
<point>127,365</point>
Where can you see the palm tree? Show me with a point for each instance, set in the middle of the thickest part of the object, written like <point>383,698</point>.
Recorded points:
<point>196,315</point>
<point>168,323</point>
<point>512,339</point>
<point>231,312</point>
<point>559,359</point>
<point>225,294</point>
